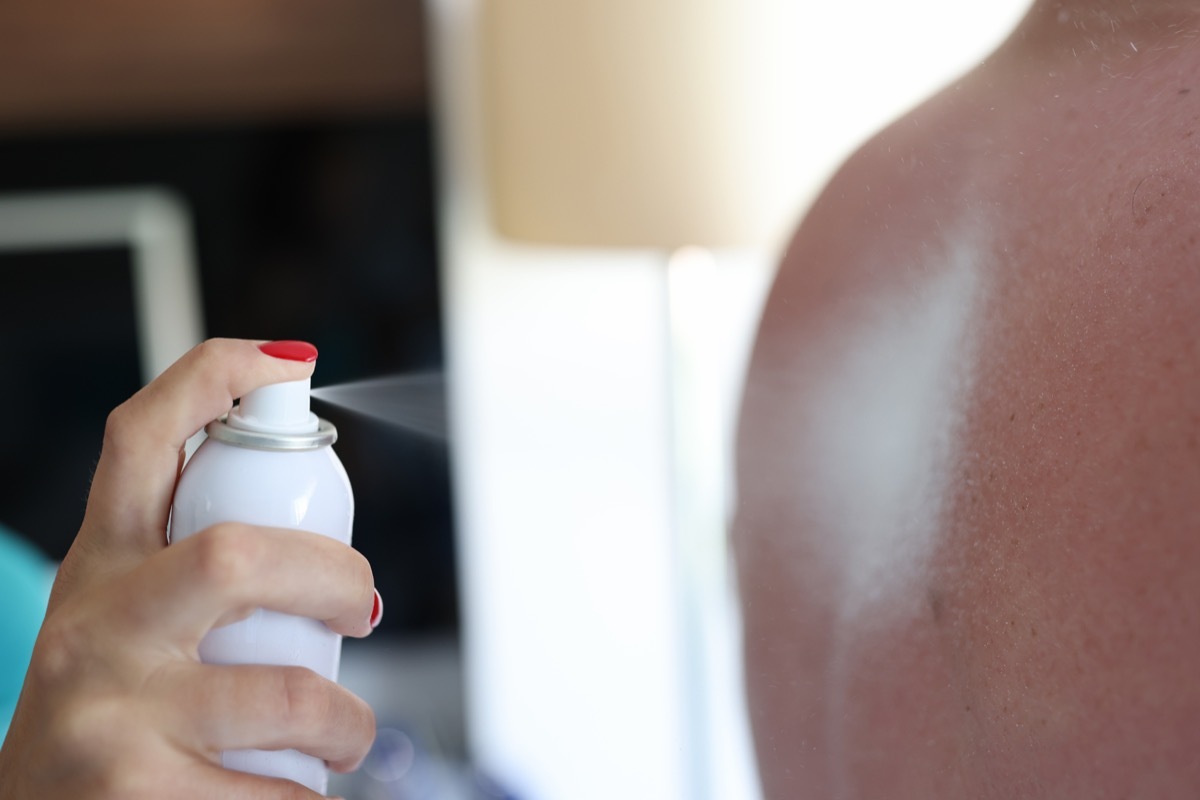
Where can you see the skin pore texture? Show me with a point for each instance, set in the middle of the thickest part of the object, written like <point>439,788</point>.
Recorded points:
<point>968,534</point>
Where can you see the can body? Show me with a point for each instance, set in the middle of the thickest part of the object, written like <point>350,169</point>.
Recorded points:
<point>300,489</point>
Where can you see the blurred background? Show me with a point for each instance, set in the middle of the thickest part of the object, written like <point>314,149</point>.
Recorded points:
<point>571,208</point>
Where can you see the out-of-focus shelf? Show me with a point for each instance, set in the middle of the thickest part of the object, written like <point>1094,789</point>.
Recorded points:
<point>65,63</point>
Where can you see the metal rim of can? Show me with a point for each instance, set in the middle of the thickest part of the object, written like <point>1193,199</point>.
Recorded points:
<point>323,436</point>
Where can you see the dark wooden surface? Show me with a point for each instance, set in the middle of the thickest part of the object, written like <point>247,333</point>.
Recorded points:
<point>69,62</point>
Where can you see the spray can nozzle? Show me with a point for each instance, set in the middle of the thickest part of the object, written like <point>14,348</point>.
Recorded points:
<point>280,407</point>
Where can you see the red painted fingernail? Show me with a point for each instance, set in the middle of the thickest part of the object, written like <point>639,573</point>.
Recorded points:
<point>377,611</point>
<point>290,350</point>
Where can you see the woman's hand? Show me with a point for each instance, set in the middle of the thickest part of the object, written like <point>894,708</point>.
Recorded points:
<point>116,703</point>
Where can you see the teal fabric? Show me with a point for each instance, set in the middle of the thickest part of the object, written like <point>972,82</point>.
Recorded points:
<point>25,579</point>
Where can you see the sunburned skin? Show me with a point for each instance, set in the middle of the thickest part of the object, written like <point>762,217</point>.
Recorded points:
<point>968,534</point>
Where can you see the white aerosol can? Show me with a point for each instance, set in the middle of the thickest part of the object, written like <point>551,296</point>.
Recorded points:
<point>269,462</point>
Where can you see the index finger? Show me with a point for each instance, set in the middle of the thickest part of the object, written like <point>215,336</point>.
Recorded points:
<point>225,572</point>
<point>139,463</point>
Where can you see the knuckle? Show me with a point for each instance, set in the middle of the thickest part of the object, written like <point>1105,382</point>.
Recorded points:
<point>364,575</point>
<point>226,557</point>
<point>56,653</point>
<point>96,744</point>
<point>129,778</point>
<point>84,730</point>
<point>210,350</point>
<point>207,359</point>
<point>116,428</point>
<point>206,368</point>
<point>363,717</point>
<point>355,728</point>
<point>306,698</point>
<point>113,783</point>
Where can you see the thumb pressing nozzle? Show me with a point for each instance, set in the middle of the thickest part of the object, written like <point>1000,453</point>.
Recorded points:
<point>279,407</point>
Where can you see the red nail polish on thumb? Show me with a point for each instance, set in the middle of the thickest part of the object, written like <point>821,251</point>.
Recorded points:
<point>290,350</point>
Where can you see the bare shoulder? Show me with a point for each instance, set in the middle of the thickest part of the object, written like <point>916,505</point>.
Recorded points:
<point>971,444</point>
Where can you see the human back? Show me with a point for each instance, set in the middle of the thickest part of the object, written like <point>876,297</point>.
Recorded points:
<point>969,520</point>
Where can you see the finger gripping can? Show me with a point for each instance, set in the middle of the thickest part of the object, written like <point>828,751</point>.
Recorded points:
<point>269,462</point>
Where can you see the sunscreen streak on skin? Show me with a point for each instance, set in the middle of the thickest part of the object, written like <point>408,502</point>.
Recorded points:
<point>886,421</point>
<point>883,438</point>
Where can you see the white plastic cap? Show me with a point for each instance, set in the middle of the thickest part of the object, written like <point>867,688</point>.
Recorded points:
<point>278,408</point>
